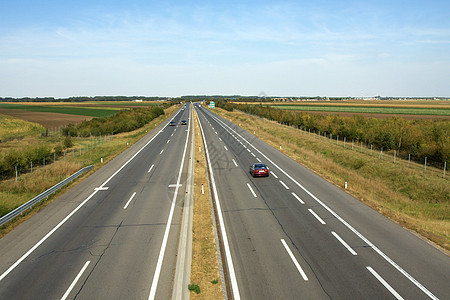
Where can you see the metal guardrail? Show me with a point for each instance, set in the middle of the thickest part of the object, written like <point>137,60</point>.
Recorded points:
<point>12,214</point>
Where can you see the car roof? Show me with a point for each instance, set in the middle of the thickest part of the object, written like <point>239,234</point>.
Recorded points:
<point>259,165</point>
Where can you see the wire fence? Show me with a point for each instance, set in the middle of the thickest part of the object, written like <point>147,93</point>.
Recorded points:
<point>80,149</point>
<point>403,159</point>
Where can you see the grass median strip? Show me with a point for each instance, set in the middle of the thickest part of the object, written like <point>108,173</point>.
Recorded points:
<point>205,275</point>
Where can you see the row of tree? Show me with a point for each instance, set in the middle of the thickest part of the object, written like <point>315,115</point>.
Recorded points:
<point>420,138</point>
<point>23,158</point>
<point>82,99</point>
<point>123,121</point>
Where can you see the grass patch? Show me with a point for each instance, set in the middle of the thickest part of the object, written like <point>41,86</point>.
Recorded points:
<point>14,128</point>
<point>416,200</point>
<point>205,264</point>
<point>193,287</point>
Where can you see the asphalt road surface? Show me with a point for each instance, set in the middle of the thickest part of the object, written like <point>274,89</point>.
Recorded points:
<point>293,235</point>
<point>112,236</point>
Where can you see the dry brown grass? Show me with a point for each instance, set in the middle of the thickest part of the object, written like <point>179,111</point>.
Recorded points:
<point>407,196</point>
<point>205,264</point>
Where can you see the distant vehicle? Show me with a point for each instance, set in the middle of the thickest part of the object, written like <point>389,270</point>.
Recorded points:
<point>172,123</point>
<point>183,122</point>
<point>259,169</point>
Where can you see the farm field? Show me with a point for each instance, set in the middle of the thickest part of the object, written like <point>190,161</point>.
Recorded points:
<point>11,127</point>
<point>56,114</point>
<point>369,109</point>
<point>63,109</point>
<point>373,108</point>
<point>47,120</point>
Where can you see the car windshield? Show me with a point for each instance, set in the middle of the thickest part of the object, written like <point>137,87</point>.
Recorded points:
<point>260,166</point>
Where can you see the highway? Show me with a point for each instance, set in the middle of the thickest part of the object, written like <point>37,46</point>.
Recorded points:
<point>112,236</point>
<point>293,235</point>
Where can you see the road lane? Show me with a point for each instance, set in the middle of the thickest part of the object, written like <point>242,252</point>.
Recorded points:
<point>122,245</point>
<point>338,273</point>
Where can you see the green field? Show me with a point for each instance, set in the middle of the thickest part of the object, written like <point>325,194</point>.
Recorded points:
<point>69,110</point>
<point>368,110</point>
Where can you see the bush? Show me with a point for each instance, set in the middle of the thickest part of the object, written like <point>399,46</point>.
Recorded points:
<point>59,149</point>
<point>68,143</point>
<point>123,121</point>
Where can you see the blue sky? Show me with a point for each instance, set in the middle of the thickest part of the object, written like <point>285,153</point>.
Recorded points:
<point>172,48</point>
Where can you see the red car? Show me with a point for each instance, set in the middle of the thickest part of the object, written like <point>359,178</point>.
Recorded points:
<point>259,169</point>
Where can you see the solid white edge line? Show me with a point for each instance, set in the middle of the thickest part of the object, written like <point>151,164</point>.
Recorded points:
<point>128,202</point>
<point>251,190</point>
<point>273,174</point>
<point>149,170</point>
<point>353,252</point>
<point>316,216</point>
<point>351,228</point>
<point>75,280</point>
<point>74,211</point>
<point>235,162</point>
<point>383,282</point>
<point>284,184</point>
<point>297,265</point>
<point>229,260</point>
<point>167,230</point>
<point>297,197</point>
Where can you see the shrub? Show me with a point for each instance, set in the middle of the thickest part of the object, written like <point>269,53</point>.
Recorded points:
<point>123,121</point>
<point>68,143</point>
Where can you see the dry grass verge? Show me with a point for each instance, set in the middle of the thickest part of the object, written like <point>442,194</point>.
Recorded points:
<point>205,264</point>
<point>407,196</point>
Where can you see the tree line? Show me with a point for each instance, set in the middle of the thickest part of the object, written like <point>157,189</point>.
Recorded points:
<point>419,138</point>
<point>82,99</point>
<point>123,121</point>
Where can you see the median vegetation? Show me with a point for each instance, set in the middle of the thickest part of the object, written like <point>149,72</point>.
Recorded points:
<point>416,199</point>
<point>205,276</point>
